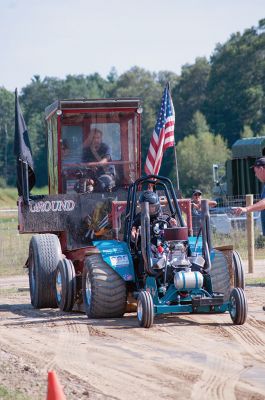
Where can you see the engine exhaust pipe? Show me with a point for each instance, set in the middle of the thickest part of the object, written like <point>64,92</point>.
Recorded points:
<point>206,235</point>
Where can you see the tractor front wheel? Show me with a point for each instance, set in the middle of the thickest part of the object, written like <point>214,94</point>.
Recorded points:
<point>145,309</point>
<point>238,306</point>
<point>104,291</point>
<point>65,285</point>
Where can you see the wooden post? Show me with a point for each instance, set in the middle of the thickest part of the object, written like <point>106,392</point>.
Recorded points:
<point>250,234</point>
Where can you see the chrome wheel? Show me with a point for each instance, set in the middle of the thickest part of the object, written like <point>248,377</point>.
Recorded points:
<point>88,290</point>
<point>59,286</point>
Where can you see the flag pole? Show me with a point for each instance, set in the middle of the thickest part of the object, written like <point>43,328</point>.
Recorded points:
<point>22,151</point>
<point>176,166</point>
<point>175,151</point>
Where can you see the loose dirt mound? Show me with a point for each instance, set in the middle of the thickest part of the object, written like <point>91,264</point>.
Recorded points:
<point>185,356</point>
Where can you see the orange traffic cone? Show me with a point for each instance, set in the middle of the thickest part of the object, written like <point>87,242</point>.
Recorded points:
<point>55,391</point>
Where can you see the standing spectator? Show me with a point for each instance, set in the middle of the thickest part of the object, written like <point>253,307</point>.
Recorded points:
<point>196,200</point>
<point>259,169</point>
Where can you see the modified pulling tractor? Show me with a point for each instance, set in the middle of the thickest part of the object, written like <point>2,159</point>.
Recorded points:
<point>83,257</point>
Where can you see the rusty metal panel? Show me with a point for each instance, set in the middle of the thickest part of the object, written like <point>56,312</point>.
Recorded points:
<point>85,217</point>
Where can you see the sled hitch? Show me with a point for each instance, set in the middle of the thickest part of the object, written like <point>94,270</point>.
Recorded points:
<point>217,300</point>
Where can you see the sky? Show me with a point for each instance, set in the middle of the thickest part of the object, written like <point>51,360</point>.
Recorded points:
<point>56,38</point>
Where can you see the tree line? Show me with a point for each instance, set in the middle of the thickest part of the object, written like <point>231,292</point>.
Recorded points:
<point>216,102</point>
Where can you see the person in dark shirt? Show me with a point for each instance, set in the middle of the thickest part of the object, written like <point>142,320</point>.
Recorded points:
<point>96,150</point>
<point>196,211</point>
<point>259,169</point>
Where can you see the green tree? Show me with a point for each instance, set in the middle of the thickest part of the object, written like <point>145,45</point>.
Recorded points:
<point>138,82</point>
<point>39,94</point>
<point>247,132</point>
<point>262,131</point>
<point>198,124</point>
<point>189,94</point>
<point>7,159</point>
<point>236,87</point>
<point>196,156</point>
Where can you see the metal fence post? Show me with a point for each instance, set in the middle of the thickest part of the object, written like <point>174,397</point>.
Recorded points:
<point>250,234</point>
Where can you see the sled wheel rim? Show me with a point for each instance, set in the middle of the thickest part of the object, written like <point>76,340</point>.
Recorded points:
<point>145,309</point>
<point>140,311</point>
<point>88,290</point>
<point>233,309</point>
<point>59,288</point>
<point>32,277</point>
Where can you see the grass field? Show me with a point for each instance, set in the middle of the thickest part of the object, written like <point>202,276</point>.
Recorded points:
<point>255,281</point>
<point>238,239</point>
<point>9,196</point>
<point>14,247</point>
<point>7,394</point>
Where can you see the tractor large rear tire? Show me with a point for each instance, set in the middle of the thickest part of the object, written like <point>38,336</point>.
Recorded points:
<point>220,276</point>
<point>104,291</point>
<point>239,278</point>
<point>44,255</point>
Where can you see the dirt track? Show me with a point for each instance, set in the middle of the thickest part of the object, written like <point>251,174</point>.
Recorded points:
<point>187,356</point>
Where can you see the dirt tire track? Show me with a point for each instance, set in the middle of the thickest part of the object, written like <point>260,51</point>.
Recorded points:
<point>182,356</point>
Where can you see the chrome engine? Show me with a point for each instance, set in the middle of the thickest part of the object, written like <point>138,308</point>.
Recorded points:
<point>185,270</point>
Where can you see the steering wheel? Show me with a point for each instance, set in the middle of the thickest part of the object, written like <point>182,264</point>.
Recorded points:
<point>156,225</point>
<point>88,173</point>
<point>78,173</point>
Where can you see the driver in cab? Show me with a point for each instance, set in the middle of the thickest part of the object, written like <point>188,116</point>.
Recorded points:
<point>94,149</point>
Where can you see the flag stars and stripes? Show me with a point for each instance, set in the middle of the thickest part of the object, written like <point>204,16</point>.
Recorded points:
<point>163,134</point>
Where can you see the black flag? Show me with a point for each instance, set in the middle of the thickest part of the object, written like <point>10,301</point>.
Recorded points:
<point>22,151</point>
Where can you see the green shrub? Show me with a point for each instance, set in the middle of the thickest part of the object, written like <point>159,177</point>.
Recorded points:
<point>260,242</point>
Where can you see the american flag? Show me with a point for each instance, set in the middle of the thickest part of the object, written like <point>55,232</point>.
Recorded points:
<point>163,135</point>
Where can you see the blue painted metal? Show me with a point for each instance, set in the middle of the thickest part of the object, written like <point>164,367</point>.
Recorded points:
<point>192,242</point>
<point>198,250</point>
<point>117,256</point>
<point>174,308</point>
<point>163,304</point>
<point>187,308</point>
<point>151,286</point>
<point>170,295</point>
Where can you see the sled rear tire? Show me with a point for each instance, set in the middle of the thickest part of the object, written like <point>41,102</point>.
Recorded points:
<point>44,255</point>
